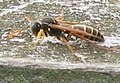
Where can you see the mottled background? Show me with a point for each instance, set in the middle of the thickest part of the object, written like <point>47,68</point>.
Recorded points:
<point>52,62</point>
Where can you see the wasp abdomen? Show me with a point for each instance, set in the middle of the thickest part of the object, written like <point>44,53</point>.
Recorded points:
<point>90,32</point>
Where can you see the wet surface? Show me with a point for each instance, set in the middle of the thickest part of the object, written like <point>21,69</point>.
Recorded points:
<point>52,54</point>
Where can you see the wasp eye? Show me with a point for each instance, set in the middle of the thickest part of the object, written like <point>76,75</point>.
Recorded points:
<point>36,26</point>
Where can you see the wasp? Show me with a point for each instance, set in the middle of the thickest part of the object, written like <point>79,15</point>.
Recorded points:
<point>64,31</point>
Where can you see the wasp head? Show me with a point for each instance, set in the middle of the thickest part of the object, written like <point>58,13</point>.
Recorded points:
<point>36,28</point>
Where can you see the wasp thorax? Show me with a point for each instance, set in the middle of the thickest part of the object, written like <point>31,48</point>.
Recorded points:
<point>47,22</point>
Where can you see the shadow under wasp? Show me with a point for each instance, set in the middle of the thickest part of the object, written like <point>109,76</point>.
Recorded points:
<point>63,31</point>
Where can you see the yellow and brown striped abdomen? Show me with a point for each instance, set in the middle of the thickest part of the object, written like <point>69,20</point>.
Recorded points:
<point>90,32</point>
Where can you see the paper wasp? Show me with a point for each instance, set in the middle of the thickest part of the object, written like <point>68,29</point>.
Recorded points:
<point>64,31</point>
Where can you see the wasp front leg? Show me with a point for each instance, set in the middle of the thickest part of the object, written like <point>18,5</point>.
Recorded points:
<point>39,35</point>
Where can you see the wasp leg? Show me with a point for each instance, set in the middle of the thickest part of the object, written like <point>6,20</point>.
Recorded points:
<point>61,18</point>
<point>70,47</point>
<point>68,36</point>
<point>94,43</point>
<point>73,51</point>
<point>39,35</point>
<point>68,22</point>
<point>11,35</point>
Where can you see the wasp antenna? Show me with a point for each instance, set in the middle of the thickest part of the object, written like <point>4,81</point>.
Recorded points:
<point>11,35</point>
<point>27,19</point>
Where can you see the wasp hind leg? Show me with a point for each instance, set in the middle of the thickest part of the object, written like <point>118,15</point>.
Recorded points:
<point>94,43</point>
